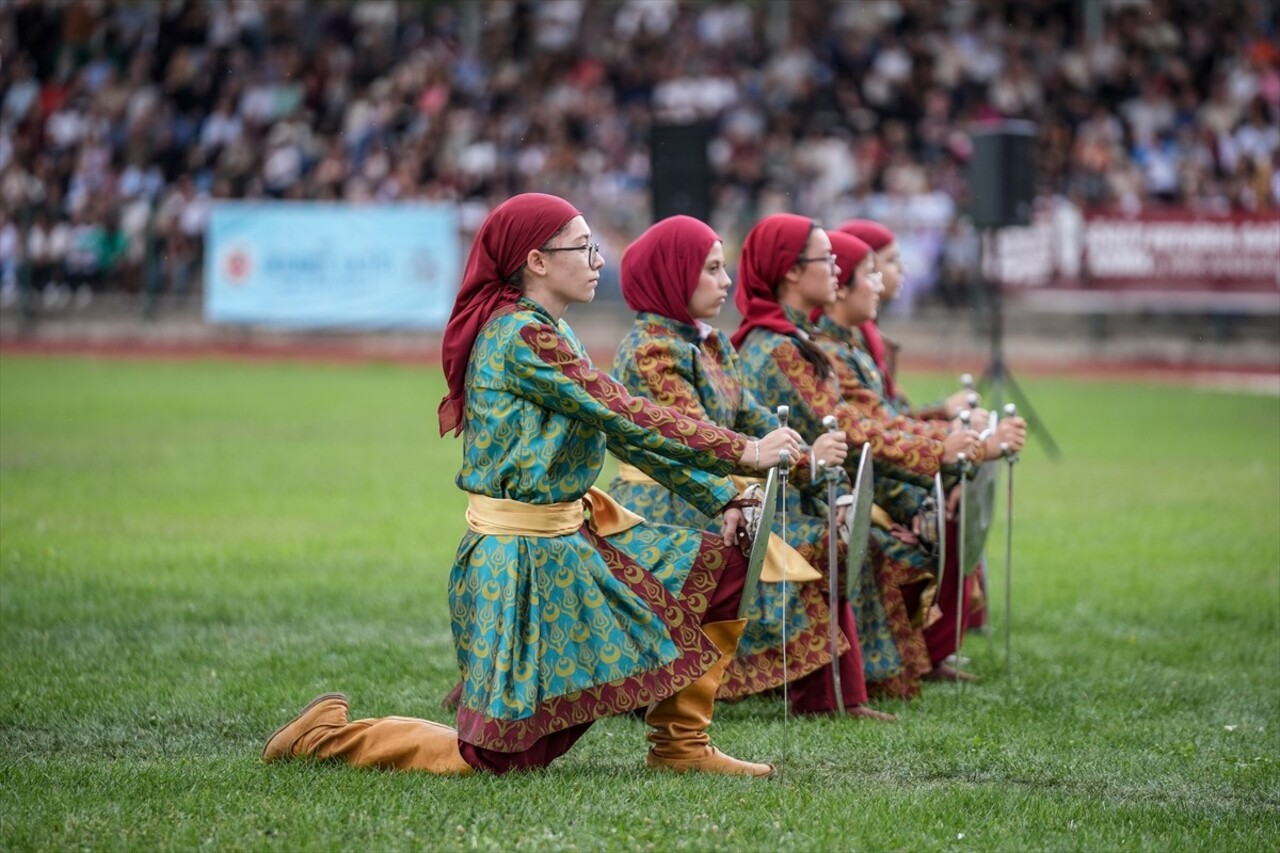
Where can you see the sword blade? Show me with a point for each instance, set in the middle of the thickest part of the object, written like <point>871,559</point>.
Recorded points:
<point>1008,572</point>
<point>960,552</point>
<point>833,590</point>
<point>760,544</point>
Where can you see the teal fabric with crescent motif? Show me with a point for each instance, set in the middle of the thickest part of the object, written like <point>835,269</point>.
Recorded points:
<point>881,658</point>
<point>696,370</point>
<point>902,501</point>
<point>539,618</point>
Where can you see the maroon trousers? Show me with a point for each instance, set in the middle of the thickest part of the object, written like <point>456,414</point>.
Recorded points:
<point>815,693</point>
<point>940,637</point>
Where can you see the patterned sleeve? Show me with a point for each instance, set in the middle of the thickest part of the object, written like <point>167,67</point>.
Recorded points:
<point>869,403</point>
<point>706,491</point>
<point>908,457</point>
<point>542,366</point>
<point>936,411</point>
<point>665,367</point>
<point>900,500</point>
<point>753,418</point>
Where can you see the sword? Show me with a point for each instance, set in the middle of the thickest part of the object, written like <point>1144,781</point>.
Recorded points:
<point>833,587</point>
<point>966,382</point>
<point>940,500</point>
<point>784,467</point>
<point>993,421</point>
<point>963,459</point>
<point>1011,458</point>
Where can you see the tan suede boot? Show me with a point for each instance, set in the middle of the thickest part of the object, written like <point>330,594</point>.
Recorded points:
<point>322,731</point>
<point>679,723</point>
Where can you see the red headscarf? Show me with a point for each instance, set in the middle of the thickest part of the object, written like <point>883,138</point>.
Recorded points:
<point>772,247</point>
<point>877,237</point>
<point>512,230</point>
<point>660,270</point>
<point>849,252</point>
<point>873,234</point>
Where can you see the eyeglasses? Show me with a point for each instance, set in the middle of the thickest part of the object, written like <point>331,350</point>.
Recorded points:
<point>592,250</point>
<point>830,261</point>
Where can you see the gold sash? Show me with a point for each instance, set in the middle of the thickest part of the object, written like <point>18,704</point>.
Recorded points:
<point>779,557</point>
<point>880,517</point>
<point>502,517</point>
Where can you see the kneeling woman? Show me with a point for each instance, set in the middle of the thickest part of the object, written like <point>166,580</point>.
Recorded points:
<point>674,277</point>
<point>788,270</point>
<point>566,608</point>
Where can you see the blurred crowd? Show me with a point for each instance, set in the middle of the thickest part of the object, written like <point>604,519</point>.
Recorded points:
<point>121,122</point>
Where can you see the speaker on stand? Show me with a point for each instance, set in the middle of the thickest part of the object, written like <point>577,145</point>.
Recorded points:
<point>679,174</point>
<point>1001,194</point>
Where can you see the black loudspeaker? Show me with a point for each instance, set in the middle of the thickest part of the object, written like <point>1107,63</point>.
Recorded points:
<point>679,175</point>
<point>1002,174</point>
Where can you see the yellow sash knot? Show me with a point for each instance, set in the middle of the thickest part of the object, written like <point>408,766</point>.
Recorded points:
<point>503,517</point>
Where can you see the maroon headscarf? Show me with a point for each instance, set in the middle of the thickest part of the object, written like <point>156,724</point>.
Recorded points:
<point>849,252</point>
<point>877,237</point>
<point>660,270</point>
<point>873,234</point>
<point>512,230</point>
<point>772,247</point>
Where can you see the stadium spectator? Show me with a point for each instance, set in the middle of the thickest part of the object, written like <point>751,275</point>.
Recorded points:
<point>832,109</point>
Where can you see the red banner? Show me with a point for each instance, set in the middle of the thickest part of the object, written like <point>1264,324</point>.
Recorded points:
<point>1167,250</point>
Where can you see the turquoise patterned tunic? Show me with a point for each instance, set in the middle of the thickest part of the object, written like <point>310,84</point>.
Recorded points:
<point>552,632</point>
<point>778,374</point>
<point>695,370</point>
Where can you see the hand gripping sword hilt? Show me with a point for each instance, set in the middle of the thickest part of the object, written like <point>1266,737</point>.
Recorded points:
<point>1010,411</point>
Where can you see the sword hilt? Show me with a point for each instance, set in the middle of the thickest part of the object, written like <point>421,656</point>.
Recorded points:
<point>1010,411</point>
<point>972,400</point>
<point>831,424</point>
<point>784,413</point>
<point>966,381</point>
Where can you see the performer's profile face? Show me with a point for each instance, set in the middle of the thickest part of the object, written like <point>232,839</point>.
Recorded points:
<point>573,263</point>
<point>818,274</point>
<point>713,285</point>
<point>865,290</point>
<point>889,262</point>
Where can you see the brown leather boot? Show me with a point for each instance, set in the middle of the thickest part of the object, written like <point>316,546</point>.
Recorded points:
<point>322,731</point>
<point>327,711</point>
<point>679,723</point>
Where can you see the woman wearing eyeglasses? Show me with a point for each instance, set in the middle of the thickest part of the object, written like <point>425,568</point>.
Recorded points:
<point>566,607</point>
<point>844,330</point>
<point>883,351</point>
<point>905,566</point>
<point>787,270</point>
<point>674,277</point>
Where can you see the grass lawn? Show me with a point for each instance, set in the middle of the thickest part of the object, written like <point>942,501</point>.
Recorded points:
<point>191,551</point>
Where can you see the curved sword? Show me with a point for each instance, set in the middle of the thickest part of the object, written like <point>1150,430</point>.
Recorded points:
<point>963,459</point>
<point>833,584</point>
<point>784,466</point>
<point>1011,459</point>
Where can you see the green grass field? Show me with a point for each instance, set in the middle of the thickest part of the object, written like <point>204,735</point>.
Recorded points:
<point>191,551</point>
